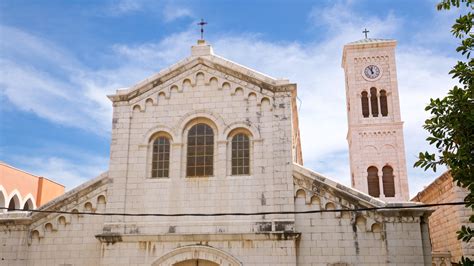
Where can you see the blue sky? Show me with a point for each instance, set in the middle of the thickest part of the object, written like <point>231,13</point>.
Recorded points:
<point>58,60</point>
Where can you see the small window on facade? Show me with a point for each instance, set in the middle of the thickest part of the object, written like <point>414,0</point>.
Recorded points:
<point>373,181</point>
<point>365,104</point>
<point>388,181</point>
<point>200,157</point>
<point>374,102</point>
<point>161,157</point>
<point>240,155</point>
<point>383,103</point>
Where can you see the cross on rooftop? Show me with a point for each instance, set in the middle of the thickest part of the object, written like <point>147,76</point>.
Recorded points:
<point>202,23</point>
<point>365,32</point>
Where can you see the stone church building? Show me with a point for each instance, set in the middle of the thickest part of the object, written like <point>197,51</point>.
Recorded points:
<point>209,136</point>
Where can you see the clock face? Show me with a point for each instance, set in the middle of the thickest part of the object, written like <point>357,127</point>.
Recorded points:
<point>372,72</point>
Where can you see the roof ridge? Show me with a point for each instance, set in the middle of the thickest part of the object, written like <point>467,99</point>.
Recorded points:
<point>371,40</point>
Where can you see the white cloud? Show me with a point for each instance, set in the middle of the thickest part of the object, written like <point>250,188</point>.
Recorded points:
<point>122,7</point>
<point>173,12</point>
<point>68,172</point>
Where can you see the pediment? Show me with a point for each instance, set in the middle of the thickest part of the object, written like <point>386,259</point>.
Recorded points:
<point>212,64</point>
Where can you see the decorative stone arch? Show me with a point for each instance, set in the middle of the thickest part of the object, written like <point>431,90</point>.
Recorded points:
<point>254,132</point>
<point>215,120</point>
<point>196,252</point>
<point>155,131</point>
<point>3,198</point>
<point>16,197</point>
<point>29,201</point>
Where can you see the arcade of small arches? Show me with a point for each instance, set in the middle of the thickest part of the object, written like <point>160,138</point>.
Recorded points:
<point>200,79</point>
<point>386,187</point>
<point>371,104</point>
<point>14,201</point>
<point>199,137</point>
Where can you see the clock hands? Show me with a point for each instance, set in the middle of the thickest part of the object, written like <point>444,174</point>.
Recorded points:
<point>372,71</point>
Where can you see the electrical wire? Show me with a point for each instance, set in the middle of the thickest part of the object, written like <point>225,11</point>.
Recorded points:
<point>243,213</point>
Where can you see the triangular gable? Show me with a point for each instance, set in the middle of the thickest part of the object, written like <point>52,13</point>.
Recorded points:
<point>206,58</point>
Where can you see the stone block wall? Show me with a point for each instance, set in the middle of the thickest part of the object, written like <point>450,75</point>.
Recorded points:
<point>350,238</point>
<point>446,220</point>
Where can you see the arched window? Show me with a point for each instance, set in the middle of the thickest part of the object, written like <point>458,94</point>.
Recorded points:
<point>200,156</point>
<point>240,155</point>
<point>160,163</point>
<point>374,102</point>
<point>373,181</point>
<point>388,181</point>
<point>365,104</point>
<point>28,205</point>
<point>383,103</point>
<point>14,203</point>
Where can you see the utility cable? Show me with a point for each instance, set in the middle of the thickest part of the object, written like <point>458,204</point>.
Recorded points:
<point>390,207</point>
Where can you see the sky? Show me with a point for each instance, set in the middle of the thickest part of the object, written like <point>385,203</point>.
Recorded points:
<point>59,60</point>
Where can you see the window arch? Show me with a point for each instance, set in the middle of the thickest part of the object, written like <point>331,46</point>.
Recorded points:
<point>365,104</point>
<point>200,155</point>
<point>14,203</point>
<point>383,103</point>
<point>240,154</point>
<point>374,102</point>
<point>388,181</point>
<point>373,181</point>
<point>160,163</point>
<point>2,199</point>
<point>28,205</point>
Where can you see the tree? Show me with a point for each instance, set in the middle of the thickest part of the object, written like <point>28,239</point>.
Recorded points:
<point>451,125</point>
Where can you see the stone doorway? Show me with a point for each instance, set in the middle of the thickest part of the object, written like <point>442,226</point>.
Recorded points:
<point>196,263</point>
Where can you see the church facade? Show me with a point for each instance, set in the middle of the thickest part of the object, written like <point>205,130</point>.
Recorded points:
<point>208,136</point>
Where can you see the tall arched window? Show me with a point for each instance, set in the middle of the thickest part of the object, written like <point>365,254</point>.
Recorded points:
<point>374,102</point>
<point>388,181</point>
<point>383,103</point>
<point>240,155</point>
<point>161,157</point>
<point>365,104</point>
<point>200,156</point>
<point>373,181</point>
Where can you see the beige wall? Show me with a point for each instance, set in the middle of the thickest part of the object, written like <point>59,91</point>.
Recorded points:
<point>446,220</point>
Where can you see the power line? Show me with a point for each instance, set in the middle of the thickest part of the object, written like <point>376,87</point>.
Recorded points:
<point>244,213</point>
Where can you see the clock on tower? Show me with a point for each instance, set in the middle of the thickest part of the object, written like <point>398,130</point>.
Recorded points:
<point>375,129</point>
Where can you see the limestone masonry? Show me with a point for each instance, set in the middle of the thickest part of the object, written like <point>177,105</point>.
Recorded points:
<point>207,135</point>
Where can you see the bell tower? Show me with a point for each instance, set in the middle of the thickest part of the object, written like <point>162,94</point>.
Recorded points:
<point>375,129</point>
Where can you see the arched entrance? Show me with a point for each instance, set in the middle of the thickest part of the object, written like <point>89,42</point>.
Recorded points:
<point>196,263</point>
<point>197,256</point>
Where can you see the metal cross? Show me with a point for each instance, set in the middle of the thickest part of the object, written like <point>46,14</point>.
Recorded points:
<point>202,23</point>
<point>365,32</point>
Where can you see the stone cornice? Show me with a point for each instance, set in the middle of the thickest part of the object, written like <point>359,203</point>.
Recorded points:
<point>187,64</point>
<point>111,238</point>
